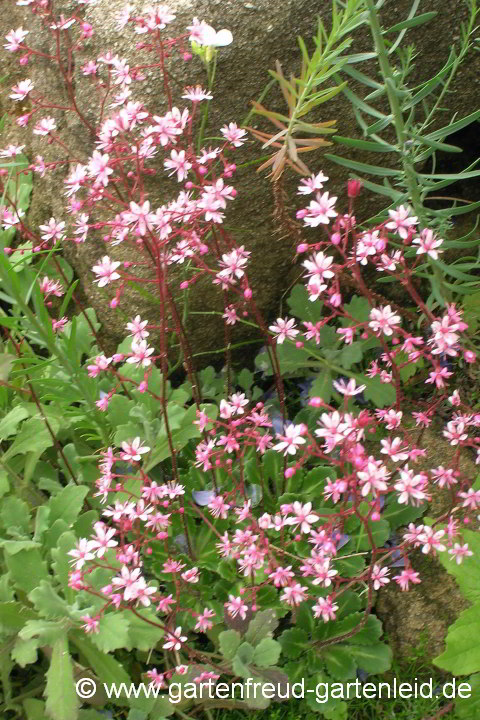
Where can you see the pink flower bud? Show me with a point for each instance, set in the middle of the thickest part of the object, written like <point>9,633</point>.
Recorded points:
<point>303,247</point>
<point>469,356</point>
<point>114,303</point>
<point>188,185</point>
<point>316,402</point>
<point>354,188</point>
<point>247,293</point>
<point>299,344</point>
<point>336,238</point>
<point>23,60</point>
<point>301,214</point>
<point>187,56</point>
<point>375,516</point>
<point>289,472</point>
<point>184,285</point>
<point>202,170</point>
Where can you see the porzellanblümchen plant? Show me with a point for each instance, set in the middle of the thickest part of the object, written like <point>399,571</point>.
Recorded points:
<point>206,525</point>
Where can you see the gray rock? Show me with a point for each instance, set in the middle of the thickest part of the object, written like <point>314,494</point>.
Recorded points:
<point>263,32</point>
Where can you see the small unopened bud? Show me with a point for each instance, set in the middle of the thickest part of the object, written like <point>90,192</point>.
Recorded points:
<point>375,516</point>
<point>247,293</point>
<point>184,285</point>
<point>354,188</point>
<point>299,344</point>
<point>187,56</point>
<point>289,472</point>
<point>336,238</point>
<point>303,247</point>
<point>316,402</point>
<point>469,356</point>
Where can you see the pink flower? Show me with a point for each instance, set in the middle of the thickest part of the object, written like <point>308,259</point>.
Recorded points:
<point>233,134</point>
<point>320,210</point>
<point>179,164</point>
<point>325,608</point>
<point>311,184</point>
<point>348,389</point>
<point>91,624</point>
<point>291,440</point>
<point>384,319</point>
<point>21,90</point>
<point>459,552</point>
<point>294,594</point>
<point>303,517</point>
<point>175,639</point>
<point>15,38</point>
<point>284,329</point>
<point>133,450</point>
<point>197,94</point>
<point>105,271</point>
<point>406,577</point>
<point>235,606</point>
<point>44,126</point>
<point>218,507</point>
<point>379,577</point>
<point>401,221</point>
<point>428,243</point>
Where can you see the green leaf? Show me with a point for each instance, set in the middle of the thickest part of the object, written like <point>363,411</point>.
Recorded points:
<point>105,667</point>
<point>340,663</point>
<point>411,22</point>
<point>381,394</point>
<point>9,424</point>
<point>24,652</point>
<point>454,127</point>
<point>27,568</point>
<point>322,386</point>
<point>362,167</point>
<point>142,635</point>
<point>294,642</point>
<point>300,305</point>
<point>469,708</point>
<point>262,625</point>
<point>467,575</point>
<point>113,632</point>
<point>351,354</point>
<point>266,652</point>
<point>379,530</point>
<point>398,515</point>
<point>372,658</point>
<point>4,484</point>
<point>47,631</point>
<point>243,657</point>
<point>35,709</point>
<point>15,514</point>
<point>462,653</point>
<point>369,633</point>
<point>229,641</point>
<point>14,615</point>
<point>366,145</point>
<point>33,436</point>
<point>62,701</point>
<point>68,503</point>
<point>314,480</point>
<point>47,602</point>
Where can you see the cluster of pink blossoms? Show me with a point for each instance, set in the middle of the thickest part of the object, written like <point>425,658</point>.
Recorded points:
<point>264,547</point>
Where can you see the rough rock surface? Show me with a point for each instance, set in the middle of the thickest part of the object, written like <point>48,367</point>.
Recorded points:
<point>422,616</point>
<point>263,31</point>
